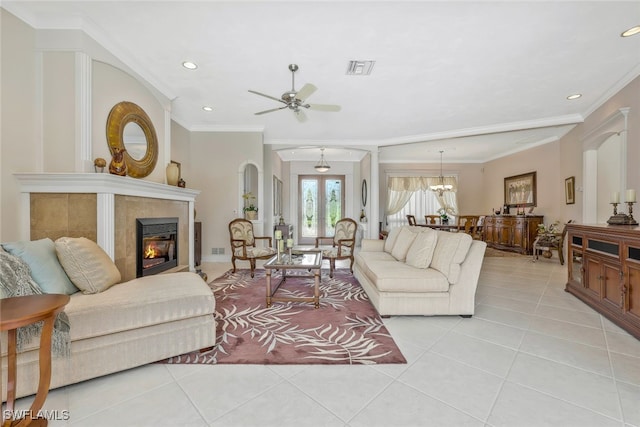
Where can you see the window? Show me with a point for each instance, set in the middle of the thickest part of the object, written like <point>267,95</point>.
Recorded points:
<point>420,204</point>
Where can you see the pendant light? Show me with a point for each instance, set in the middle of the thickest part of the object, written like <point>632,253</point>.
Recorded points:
<point>322,165</point>
<point>441,187</point>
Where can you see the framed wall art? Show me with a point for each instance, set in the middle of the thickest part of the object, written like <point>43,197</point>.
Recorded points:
<point>520,190</point>
<point>570,190</point>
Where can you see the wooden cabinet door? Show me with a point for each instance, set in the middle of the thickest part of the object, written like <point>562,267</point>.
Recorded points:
<point>505,232</point>
<point>612,285</point>
<point>519,234</point>
<point>593,276</point>
<point>632,283</point>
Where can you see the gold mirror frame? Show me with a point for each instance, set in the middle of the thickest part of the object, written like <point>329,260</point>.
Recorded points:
<point>120,115</point>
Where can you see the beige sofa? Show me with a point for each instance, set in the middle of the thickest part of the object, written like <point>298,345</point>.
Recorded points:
<point>127,325</point>
<point>421,271</point>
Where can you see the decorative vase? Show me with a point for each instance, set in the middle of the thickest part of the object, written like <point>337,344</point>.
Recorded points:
<point>173,174</point>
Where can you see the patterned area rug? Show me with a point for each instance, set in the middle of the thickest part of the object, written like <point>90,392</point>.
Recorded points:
<point>346,329</point>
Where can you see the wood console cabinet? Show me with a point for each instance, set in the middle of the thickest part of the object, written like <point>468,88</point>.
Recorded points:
<point>604,271</point>
<point>512,233</point>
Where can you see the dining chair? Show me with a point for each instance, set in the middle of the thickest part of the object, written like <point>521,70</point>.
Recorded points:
<point>467,224</point>
<point>243,244</point>
<point>431,219</point>
<point>411,219</point>
<point>548,242</point>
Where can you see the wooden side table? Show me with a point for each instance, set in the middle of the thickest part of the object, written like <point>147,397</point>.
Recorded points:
<point>22,311</point>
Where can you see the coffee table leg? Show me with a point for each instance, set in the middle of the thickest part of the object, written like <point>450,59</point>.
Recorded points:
<point>316,296</point>
<point>268,288</point>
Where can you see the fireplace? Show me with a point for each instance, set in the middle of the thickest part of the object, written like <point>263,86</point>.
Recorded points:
<point>156,245</point>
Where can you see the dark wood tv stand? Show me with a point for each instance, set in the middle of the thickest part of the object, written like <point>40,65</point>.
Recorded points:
<point>604,271</point>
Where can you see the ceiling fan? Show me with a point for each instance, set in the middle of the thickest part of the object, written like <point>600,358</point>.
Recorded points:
<point>295,101</point>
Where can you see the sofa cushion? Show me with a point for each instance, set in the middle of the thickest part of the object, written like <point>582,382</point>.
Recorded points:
<point>141,302</point>
<point>391,239</point>
<point>46,271</point>
<point>402,244</point>
<point>394,276</point>
<point>86,264</point>
<point>451,250</point>
<point>421,250</point>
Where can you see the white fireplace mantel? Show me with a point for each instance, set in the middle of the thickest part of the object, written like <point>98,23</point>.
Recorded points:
<point>106,187</point>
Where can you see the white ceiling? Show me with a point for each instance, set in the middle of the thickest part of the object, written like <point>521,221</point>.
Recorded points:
<point>477,79</point>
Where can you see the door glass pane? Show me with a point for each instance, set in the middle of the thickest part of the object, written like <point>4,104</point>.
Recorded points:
<point>333,205</point>
<point>309,208</point>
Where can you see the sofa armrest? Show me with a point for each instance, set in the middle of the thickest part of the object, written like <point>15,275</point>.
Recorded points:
<point>372,245</point>
<point>462,294</point>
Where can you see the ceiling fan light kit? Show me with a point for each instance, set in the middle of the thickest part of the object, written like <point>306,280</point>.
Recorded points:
<point>295,100</point>
<point>322,165</point>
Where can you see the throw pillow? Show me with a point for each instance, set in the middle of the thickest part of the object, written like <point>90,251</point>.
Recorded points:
<point>86,264</point>
<point>403,242</point>
<point>46,271</point>
<point>451,251</point>
<point>421,251</point>
<point>391,239</point>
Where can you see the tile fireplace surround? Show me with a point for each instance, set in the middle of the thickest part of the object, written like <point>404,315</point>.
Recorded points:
<point>104,207</point>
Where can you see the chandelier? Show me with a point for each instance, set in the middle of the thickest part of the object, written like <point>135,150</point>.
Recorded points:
<point>441,187</point>
<point>322,165</point>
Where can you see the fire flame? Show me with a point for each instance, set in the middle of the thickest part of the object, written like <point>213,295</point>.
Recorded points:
<point>151,251</point>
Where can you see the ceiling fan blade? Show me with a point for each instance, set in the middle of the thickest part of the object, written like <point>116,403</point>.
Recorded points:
<point>267,96</point>
<point>300,115</point>
<point>325,107</point>
<point>270,111</point>
<point>306,91</point>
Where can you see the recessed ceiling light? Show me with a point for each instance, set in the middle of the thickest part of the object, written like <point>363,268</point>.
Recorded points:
<point>207,108</point>
<point>631,31</point>
<point>189,65</point>
<point>574,96</point>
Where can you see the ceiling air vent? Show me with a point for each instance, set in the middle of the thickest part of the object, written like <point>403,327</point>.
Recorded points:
<point>360,68</point>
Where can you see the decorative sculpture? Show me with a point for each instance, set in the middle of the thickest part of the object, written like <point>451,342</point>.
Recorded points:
<point>118,165</point>
<point>99,162</point>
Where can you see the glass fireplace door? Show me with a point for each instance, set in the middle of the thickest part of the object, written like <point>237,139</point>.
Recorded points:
<point>320,205</point>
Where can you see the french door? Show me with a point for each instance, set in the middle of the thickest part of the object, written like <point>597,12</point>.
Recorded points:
<point>320,205</point>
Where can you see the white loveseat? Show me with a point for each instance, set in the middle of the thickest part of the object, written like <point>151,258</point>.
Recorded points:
<point>421,271</point>
<point>126,325</point>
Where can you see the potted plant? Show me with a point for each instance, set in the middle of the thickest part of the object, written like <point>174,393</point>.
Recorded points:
<point>250,210</point>
<point>444,214</point>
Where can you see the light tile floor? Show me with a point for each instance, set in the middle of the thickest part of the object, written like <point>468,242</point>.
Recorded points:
<point>532,355</point>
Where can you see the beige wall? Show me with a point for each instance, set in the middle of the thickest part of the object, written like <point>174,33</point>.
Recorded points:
<point>545,161</point>
<point>110,86</point>
<point>19,119</point>
<point>216,160</point>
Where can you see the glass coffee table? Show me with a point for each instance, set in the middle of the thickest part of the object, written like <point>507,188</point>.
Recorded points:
<point>300,260</point>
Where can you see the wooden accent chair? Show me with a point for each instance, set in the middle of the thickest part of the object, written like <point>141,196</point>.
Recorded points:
<point>549,242</point>
<point>243,244</point>
<point>343,243</point>
<point>431,219</point>
<point>467,223</point>
<point>411,219</point>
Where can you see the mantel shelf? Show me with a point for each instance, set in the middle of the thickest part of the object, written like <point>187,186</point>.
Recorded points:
<point>101,183</point>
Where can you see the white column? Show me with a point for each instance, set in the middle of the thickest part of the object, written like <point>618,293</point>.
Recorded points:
<point>83,66</point>
<point>106,223</point>
<point>374,192</point>
<point>590,193</point>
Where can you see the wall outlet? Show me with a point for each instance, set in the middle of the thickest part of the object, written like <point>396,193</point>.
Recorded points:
<point>217,251</point>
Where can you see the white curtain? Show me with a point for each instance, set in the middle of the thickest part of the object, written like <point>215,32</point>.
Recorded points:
<point>400,190</point>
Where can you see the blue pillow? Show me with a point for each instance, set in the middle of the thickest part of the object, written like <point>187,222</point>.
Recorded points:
<point>46,271</point>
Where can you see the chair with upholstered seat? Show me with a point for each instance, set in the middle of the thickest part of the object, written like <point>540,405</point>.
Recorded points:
<point>431,219</point>
<point>548,242</point>
<point>243,244</point>
<point>343,243</point>
<point>411,219</point>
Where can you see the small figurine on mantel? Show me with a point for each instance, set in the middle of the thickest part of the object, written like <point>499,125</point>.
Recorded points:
<point>100,163</point>
<point>182,183</point>
<point>118,165</point>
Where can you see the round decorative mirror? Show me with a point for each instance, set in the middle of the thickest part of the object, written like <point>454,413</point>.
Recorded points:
<point>129,128</point>
<point>364,192</point>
